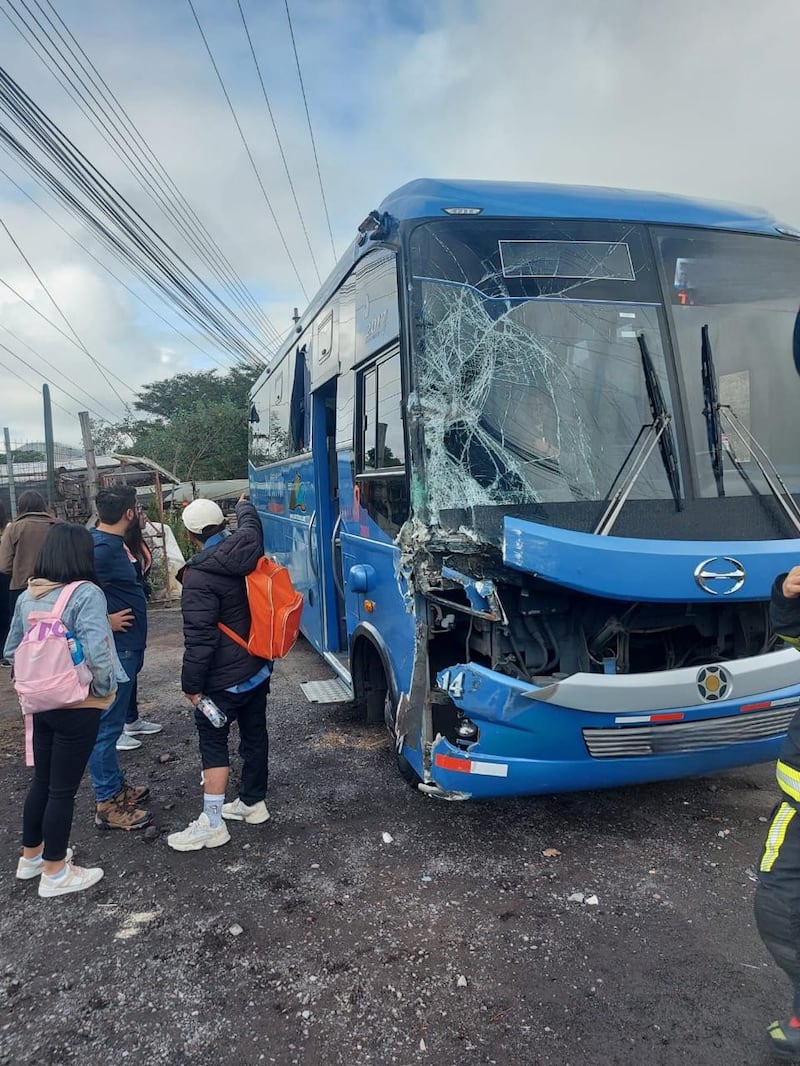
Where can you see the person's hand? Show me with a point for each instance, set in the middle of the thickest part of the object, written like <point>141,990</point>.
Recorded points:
<point>121,620</point>
<point>244,498</point>
<point>791,583</point>
<point>193,698</point>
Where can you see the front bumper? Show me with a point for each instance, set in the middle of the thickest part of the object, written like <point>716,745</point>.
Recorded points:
<point>603,731</point>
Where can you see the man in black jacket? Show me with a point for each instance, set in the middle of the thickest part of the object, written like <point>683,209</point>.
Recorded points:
<point>777,900</point>
<point>216,666</point>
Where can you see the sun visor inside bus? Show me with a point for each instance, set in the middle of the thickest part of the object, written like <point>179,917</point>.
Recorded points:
<point>628,569</point>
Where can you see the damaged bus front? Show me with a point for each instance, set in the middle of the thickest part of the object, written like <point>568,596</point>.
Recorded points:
<point>561,456</point>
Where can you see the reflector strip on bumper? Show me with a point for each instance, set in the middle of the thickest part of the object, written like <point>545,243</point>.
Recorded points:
<point>471,766</point>
<point>670,739</point>
<point>768,703</point>
<point>641,719</point>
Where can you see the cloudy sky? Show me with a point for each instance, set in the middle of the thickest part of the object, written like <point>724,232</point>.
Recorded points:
<point>691,96</point>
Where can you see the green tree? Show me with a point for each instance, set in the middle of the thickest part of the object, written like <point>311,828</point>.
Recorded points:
<point>197,426</point>
<point>21,455</point>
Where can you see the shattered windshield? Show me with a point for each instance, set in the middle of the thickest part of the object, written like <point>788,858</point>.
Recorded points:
<point>527,364</point>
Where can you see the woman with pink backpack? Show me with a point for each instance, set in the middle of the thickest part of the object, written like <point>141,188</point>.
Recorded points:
<point>66,673</point>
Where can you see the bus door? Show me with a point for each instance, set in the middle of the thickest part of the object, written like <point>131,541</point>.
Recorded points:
<point>327,547</point>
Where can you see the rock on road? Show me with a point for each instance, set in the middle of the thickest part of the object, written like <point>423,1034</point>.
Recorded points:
<point>366,923</point>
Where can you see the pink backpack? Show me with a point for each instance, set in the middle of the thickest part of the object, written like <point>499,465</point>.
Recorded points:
<point>45,676</point>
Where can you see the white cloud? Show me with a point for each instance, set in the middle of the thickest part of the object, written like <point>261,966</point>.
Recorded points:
<point>691,97</point>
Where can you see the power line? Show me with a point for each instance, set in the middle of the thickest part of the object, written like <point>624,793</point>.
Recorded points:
<point>58,370</point>
<point>189,210</point>
<point>69,325</point>
<point>249,153</point>
<point>119,141</point>
<point>116,277</point>
<point>310,130</point>
<point>278,139</point>
<point>138,241</point>
<point>34,387</point>
<point>81,403</point>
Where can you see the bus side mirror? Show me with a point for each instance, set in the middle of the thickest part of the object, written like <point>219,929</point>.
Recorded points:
<point>375,227</point>
<point>360,577</point>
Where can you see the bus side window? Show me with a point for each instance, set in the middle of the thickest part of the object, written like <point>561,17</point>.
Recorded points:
<point>383,491</point>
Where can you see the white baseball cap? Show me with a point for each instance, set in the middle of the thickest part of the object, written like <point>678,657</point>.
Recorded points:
<point>200,514</point>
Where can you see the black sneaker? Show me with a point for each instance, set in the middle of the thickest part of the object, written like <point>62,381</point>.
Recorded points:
<point>785,1041</point>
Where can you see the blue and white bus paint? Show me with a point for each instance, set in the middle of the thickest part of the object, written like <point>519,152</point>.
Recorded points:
<point>531,458</point>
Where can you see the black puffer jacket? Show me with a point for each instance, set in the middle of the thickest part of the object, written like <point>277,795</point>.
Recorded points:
<point>214,591</point>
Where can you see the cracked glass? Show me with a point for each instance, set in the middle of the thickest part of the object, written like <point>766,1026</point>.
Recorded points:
<point>529,378</point>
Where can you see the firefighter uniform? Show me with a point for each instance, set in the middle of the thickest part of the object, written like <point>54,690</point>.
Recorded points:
<point>777,898</point>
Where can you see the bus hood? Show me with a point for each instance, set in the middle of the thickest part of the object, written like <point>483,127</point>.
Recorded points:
<point>655,570</point>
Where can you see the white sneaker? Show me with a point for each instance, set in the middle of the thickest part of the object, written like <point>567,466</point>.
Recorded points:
<point>133,729</point>
<point>199,834</point>
<point>126,743</point>
<point>240,812</point>
<point>76,879</point>
<point>28,868</point>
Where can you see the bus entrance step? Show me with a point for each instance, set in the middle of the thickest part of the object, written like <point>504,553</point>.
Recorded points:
<point>334,690</point>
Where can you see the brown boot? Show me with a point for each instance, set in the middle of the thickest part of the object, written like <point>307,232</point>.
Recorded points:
<point>115,814</point>
<point>132,795</point>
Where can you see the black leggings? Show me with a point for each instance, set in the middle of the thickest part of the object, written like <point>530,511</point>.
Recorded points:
<point>62,743</point>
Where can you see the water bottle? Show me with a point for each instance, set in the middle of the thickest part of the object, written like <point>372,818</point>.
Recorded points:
<point>75,649</point>
<point>211,711</point>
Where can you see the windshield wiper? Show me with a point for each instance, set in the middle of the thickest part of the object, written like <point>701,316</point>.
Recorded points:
<point>716,411</point>
<point>711,410</point>
<point>657,432</point>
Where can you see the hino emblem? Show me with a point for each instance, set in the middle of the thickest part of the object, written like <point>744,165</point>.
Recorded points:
<point>720,575</point>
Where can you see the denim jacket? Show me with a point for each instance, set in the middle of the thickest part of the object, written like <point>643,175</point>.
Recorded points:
<point>86,615</point>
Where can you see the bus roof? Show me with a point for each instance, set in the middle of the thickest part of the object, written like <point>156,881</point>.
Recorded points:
<point>430,197</point>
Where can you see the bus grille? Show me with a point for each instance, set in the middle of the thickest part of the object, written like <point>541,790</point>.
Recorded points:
<point>629,741</point>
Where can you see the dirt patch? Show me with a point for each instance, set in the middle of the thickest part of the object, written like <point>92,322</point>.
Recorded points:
<point>311,939</point>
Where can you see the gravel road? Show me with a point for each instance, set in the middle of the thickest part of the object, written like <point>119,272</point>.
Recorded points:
<point>366,923</point>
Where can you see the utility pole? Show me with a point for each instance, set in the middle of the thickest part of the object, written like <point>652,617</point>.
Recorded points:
<point>12,490</point>
<point>91,465</point>
<point>49,447</point>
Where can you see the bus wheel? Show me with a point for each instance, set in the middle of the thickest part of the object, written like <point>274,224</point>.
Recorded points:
<point>407,771</point>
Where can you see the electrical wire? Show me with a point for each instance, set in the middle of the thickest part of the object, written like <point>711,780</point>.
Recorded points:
<point>310,129</point>
<point>158,165</point>
<point>278,139</point>
<point>186,285</point>
<point>34,387</point>
<point>134,241</point>
<point>249,153</point>
<point>149,174</point>
<point>67,322</point>
<point>61,388</point>
<point>116,277</point>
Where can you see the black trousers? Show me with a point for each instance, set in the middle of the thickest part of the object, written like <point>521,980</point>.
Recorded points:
<point>249,711</point>
<point>62,743</point>
<point>777,899</point>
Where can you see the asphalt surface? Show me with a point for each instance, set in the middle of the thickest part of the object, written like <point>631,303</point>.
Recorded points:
<point>454,942</point>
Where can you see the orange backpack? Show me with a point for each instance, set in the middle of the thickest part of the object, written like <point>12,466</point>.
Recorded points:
<point>275,609</point>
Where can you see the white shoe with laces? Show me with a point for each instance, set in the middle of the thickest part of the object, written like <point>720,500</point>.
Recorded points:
<point>199,834</point>
<point>76,879</point>
<point>238,811</point>
<point>126,743</point>
<point>30,868</point>
<point>141,727</point>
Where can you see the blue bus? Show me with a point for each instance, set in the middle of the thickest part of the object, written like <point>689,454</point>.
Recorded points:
<point>531,455</point>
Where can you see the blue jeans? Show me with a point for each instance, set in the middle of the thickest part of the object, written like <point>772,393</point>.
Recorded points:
<point>104,770</point>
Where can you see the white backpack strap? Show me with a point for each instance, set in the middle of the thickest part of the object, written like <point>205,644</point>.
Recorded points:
<point>64,595</point>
